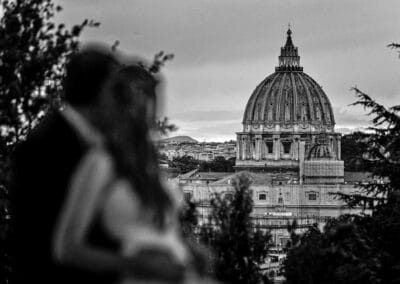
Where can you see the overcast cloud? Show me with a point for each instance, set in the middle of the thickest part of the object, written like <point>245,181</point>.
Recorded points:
<point>223,49</point>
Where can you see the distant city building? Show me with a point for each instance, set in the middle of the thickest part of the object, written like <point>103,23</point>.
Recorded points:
<point>173,147</point>
<point>290,150</point>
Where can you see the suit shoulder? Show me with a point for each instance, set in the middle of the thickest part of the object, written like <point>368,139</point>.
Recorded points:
<point>44,137</point>
<point>47,126</point>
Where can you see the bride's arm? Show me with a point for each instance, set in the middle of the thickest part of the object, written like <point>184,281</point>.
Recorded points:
<point>87,188</point>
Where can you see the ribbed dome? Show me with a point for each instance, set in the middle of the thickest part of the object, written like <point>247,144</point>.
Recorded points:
<point>320,152</point>
<point>289,96</point>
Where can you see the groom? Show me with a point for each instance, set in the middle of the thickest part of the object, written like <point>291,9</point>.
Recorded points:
<point>44,165</point>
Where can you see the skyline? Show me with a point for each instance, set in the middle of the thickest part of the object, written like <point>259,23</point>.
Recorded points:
<point>224,49</point>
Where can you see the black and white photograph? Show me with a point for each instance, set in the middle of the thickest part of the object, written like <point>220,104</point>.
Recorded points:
<point>199,142</point>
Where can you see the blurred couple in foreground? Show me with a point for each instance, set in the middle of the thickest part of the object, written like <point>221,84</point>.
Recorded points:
<point>90,206</point>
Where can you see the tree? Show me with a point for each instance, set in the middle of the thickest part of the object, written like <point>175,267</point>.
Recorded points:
<point>354,148</point>
<point>33,53</point>
<point>160,58</point>
<point>238,249</point>
<point>342,253</point>
<point>384,155</point>
<point>165,127</point>
<point>184,164</point>
<point>188,219</point>
<point>218,164</point>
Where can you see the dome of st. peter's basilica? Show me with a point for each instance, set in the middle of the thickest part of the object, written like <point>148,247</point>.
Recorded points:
<point>289,97</point>
<point>285,118</point>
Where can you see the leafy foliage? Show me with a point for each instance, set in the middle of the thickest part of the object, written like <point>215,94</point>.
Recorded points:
<point>218,164</point>
<point>33,53</point>
<point>343,253</point>
<point>188,219</point>
<point>238,249</point>
<point>354,148</point>
<point>165,127</point>
<point>186,164</point>
<point>384,148</point>
<point>159,61</point>
<point>160,58</point>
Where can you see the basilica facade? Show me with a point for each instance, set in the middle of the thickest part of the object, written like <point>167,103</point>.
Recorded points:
<point>289,149</point>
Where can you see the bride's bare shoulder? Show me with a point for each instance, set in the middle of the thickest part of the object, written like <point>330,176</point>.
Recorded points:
<point>96,166</point>
<point>98,155</point>
<point>98,158</point>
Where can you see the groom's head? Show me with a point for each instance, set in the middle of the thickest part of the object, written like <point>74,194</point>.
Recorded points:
<point>86,75</point>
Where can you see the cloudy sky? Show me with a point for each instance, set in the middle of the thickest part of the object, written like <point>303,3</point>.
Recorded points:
<point>224,48</point>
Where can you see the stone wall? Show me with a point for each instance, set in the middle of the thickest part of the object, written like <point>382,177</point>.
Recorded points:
<point>299,199</point>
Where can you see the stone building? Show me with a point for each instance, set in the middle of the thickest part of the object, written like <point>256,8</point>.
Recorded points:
<point>290,150</point>
<point>288,124</point>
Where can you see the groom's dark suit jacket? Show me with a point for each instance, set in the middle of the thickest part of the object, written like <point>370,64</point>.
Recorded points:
<point>44,165</point>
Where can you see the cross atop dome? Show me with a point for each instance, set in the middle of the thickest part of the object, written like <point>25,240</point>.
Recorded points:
<point>289,41</point>
<point>289,60</point>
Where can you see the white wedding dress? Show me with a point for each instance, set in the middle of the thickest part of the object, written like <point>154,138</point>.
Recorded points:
<point>95,191</point>
<point>126,219</point>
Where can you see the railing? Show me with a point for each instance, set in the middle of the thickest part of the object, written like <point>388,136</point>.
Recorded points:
<point>277,222</point>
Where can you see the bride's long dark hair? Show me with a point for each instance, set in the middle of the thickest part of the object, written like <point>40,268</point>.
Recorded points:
<point>127,131</point>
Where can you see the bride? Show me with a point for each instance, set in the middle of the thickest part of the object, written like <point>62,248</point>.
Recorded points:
<point>118,215</point>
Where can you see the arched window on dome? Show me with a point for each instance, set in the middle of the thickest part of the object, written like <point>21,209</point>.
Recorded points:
<point>270,104</point>
<point>288,100</point>
<point>287,111</point>
<point>327,112</point>
<point>258,112</point>
<point>317,113</point>
<point>303,112</point>
<point>270,112</point>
